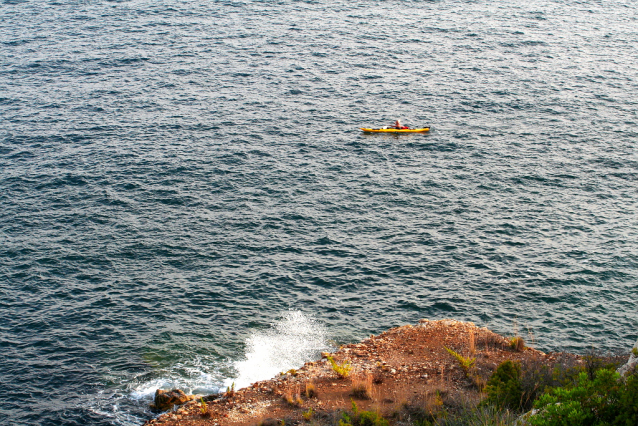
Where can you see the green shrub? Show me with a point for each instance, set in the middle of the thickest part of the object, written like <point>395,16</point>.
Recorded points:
<point>307,415</point>
<point>466,363</point>
<point>605,400</point>
<point>345,420</point>
<point>537,376</point>
<point>504,388</point>
<point>371,418</point>
<point>343,369</point>
<point>362,418</point>
<point>230,390</point>
<point>597,360</point>
<point>468,366</point>
<point>478,416</point>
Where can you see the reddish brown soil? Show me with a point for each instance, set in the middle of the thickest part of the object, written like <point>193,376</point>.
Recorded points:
<point>407,364</point>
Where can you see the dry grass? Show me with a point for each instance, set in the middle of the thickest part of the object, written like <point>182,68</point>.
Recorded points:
<point>472,344</point>
<point>362,386</point>
<point>377,377</point>
<point>490,341</point>
<point>420,408</point>
<point>530,337</point>
<point>293,397</point>
<point>434,403</point>
<point>311,390</point>
<point>517,343</point>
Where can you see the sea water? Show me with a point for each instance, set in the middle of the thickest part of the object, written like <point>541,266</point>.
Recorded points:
<point>186,199</point>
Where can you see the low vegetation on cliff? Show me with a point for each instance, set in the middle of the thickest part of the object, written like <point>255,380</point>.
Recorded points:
<point>438,373</point>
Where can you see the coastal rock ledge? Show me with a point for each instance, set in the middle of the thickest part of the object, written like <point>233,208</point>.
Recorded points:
<point>166,400</point>
<point>632,363</point>
<point>389,370</point>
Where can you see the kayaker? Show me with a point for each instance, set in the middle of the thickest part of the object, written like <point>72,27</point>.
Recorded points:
<point>398,125</point>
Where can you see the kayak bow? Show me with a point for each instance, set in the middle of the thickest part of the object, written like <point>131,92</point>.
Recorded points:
<point>423,130</point>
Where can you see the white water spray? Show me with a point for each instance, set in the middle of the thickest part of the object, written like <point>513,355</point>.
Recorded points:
<point>292,341</point>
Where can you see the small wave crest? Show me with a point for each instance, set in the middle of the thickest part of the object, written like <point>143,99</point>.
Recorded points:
<point>289,343</point>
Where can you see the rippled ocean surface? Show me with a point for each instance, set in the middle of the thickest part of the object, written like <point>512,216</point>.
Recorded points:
<point>186,199</point>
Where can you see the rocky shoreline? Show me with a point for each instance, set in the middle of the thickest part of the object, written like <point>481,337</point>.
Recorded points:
<point>412,364</point>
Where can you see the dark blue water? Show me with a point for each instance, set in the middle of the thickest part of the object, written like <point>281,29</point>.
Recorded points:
<point>184,192</point>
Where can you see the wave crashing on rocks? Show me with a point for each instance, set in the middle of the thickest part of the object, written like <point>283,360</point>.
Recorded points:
<point>288,344</point>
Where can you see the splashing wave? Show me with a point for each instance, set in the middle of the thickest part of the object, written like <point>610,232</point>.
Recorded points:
<point>292,341</point>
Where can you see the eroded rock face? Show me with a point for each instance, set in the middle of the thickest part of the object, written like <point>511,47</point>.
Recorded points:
<point>165,400</point>
<point>631,363</point>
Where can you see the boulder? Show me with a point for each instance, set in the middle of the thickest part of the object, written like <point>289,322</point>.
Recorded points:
<point>166,400</point>
<point>631,363</point>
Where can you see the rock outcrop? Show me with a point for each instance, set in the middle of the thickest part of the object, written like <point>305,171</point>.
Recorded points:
<point>166,400</point>
<point>631,363</point>
<point>403,365</point>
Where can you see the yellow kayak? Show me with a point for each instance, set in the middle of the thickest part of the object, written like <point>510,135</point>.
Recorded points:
<point>423,130</point>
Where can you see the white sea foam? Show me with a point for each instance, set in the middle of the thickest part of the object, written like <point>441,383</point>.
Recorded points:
<point>129,405</point>
<point>195,377</point>
<point>289,343</point>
